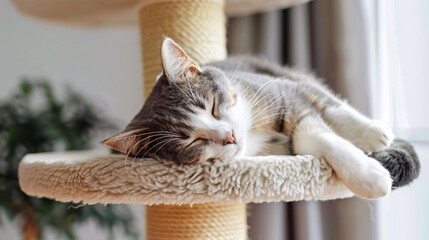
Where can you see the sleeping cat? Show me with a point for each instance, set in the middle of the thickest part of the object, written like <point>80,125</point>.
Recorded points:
<point>248,107</point>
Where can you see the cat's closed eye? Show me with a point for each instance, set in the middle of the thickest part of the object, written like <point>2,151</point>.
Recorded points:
<point>199,141</point>
<point>215,109</point>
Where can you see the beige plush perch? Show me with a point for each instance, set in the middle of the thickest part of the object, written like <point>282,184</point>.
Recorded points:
<point>99,177</point>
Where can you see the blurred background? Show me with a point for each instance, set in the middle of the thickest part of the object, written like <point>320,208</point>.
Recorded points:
<point>373,53</point>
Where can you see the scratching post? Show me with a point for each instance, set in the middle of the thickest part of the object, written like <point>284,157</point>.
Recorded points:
<point>200,221</point>
<point>199,27</point>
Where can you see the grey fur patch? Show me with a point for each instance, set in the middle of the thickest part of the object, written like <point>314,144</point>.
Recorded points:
<point>402,162</point>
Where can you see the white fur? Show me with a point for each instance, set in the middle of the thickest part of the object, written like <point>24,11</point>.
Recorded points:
<point>369,135</point>
<point>375,137</point>
<point>363,175</point>
<point>236,118</point>
<point>255,142</point>
<point>239,116</point>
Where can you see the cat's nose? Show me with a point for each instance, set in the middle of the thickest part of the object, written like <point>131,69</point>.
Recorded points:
<point>229,139</point>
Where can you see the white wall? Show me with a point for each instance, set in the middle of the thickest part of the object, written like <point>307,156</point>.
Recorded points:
<point>103,64</point>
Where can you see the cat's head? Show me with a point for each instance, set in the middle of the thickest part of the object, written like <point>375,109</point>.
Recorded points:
<point>193,114</point>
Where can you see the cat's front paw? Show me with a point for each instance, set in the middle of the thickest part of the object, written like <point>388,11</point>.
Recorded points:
<point>372,182</point>
<point>375,137</point>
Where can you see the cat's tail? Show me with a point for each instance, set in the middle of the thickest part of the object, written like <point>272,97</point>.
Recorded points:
<point>402,162</point>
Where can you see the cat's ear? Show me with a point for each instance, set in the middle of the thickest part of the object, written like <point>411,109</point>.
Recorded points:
<point>127,142</point>
<point>178,66</point>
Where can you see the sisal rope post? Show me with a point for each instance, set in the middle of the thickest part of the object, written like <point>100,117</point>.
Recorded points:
<point>200,221</point>
<point>199,27</point>
<point>196,25</point>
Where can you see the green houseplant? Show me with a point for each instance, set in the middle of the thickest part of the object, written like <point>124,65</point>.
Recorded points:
<point>34,120</point>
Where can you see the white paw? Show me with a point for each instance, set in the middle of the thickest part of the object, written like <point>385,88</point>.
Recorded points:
<point>370,181</point>
<point>375,137</point>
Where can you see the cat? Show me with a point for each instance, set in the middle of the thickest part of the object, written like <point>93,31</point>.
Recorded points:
<point>250,108</point>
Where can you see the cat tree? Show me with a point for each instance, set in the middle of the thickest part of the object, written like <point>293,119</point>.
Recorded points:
<point>202,201</point>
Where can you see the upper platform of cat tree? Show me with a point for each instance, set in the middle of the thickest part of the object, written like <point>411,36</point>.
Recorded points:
<point>124,12</point>
<point>99,177</point>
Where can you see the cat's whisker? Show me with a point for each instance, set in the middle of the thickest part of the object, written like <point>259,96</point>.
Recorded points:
<point>160,135</point>
<point>166,132</point>
<point>157,144</point>
<point>168,141</point>
<point>256,94</point>
<point>235,72</point>
<point>131,149</point>
<point>256,120</point>
<point>265,117</point>
<point>262,124</point>
<point>142,134</point>
<point>263,87</point>
<point>245,91</point>
<point>236,69</point>
<point>142,140</point>
<point>289,102</point>
<point>237,84</point>
<point>267,102</point>
<point>259,111</point>
<point>266,87</point>
<point>156,157</point>
<point>257,116</point>
<point>143,147</point>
